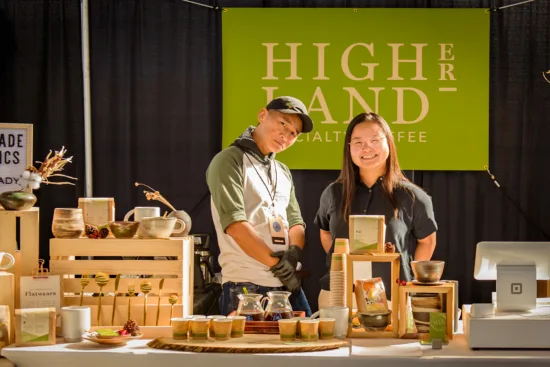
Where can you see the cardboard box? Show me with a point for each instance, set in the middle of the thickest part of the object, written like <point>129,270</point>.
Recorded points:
<point>367,234</point>
<point>97,213</point>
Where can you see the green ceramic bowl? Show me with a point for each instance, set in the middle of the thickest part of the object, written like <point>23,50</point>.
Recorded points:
<point>123,229</point>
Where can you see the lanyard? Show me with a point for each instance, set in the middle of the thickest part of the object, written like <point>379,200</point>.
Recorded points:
<point>271,194</point>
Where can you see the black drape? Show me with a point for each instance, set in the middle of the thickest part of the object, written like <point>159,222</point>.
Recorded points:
<point>41,84</point>
<point>156,111</point>
<point>156,94</point>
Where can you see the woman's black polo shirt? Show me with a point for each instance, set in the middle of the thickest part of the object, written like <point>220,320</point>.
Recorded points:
<point>415,220</point>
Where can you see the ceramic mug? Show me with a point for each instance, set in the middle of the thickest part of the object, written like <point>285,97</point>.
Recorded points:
<point>340,314</point>
<point>75,321</point>
<point>10,257</point>
<point>159,227</point>
<point>141,212</point>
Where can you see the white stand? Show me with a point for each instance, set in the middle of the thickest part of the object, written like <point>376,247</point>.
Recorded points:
<point>516,288</point>
<point>501,330</point>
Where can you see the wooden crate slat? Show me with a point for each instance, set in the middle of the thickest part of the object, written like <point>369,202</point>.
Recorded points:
<point>171,285</point>
<point>120,300</point>
<point>137,267</point>
<point>388,257</point>
<point>136,313</point>
<point>114,247</point>
<point>30,241</point>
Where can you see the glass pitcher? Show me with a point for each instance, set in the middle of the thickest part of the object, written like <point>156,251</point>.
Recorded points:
<point>250,306</point>
<point>278,306</point>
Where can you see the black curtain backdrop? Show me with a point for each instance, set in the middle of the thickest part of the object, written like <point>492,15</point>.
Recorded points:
<point>41,84</point>
<point>156,113</point>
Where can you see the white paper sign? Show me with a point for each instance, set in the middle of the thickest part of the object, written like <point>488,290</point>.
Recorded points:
<point>15,154</point>
<point>40,292</point>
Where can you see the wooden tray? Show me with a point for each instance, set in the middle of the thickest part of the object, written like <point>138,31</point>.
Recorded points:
<point>247,344</point>
<point>265,327</point>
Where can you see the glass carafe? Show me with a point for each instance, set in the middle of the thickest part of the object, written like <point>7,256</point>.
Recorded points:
<point>250,306</point>
<point>278,306</point>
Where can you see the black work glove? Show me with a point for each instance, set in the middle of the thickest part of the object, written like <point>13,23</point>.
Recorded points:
<point>285,269</point>
<point>292,256</point>
<point>288,276</point>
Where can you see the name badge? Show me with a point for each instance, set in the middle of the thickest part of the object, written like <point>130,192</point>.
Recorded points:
<point>277,230</point>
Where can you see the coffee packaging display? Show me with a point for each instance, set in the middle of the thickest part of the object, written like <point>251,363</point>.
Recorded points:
<point>370,295</point>
<point>5,325</point>
<point>97,213</point>
<point>438,326</point>
<point>367,234</point>
<point>35,326</point>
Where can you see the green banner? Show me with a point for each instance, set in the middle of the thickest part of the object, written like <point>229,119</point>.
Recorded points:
<point>426,71</point>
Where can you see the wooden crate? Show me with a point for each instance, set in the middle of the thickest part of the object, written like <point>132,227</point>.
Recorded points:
<point>178,276</point>
<point>448,289</point>
<point>27,253</point>
<point>395,261</point>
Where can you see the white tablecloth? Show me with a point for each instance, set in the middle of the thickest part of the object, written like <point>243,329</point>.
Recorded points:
<point>363,352</point>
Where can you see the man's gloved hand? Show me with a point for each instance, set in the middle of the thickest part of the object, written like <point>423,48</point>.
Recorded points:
<point>287,276</point>
<point>292,256</point>
<point>285,269</point>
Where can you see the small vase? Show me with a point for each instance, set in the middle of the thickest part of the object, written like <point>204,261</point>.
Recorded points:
<point>17,200</point>
<point>67,223</point>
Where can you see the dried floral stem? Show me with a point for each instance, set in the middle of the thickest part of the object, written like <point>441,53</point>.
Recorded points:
<point>155,195</point>
<point>51,165</point>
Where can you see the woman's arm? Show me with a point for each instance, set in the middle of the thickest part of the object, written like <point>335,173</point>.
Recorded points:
<point>326,240</point>
<point>425,248</point>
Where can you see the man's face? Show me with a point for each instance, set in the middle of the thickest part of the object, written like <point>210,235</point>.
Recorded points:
<point>276,131</point>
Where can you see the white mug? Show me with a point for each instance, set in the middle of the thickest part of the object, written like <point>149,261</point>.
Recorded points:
<point>10,257</point>
<point>340,314</point>
<point>75,321</point>
<point>141,212</point>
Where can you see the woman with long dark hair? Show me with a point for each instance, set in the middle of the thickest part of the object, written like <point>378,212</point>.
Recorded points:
<point>372,183</point>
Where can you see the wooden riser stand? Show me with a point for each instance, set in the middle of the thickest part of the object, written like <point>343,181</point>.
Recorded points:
<point>178,276</point>
<point>447,289</point>
<point>394,260</point>
<point>26,257</point>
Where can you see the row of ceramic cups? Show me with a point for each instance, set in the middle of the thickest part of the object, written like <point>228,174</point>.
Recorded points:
<point>203,328</point>
<point>69,223</point>
<point>148,224</point>
<point>306,329</point>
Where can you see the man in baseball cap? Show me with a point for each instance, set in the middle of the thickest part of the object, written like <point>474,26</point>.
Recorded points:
<point>255,212</point>
<point>291,105</point>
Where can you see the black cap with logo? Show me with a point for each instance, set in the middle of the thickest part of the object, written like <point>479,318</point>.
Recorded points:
<point>294,106</point>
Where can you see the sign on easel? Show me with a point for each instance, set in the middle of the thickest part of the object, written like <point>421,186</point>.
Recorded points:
<point>15,153</point>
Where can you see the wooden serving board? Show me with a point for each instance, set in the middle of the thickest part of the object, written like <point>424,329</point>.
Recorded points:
<point>252,343</point>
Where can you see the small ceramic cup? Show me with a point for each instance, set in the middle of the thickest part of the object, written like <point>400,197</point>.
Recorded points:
<point>198,329</point>
<point>326,328</point>
<point>180,328</point>
<point>309,330</point>
<point>287,329</point>
<point>222,328</point>
<point>237,326</point>
<point>211,324</point>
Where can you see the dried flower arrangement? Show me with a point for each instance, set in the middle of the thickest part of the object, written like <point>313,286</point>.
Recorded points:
<point>155,195</point>
<point>32,177</point>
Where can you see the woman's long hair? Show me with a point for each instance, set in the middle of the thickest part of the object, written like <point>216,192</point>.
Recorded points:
<point>349,175</point>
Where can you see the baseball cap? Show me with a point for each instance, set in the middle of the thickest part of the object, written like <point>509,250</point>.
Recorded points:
<point>294,106</point>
